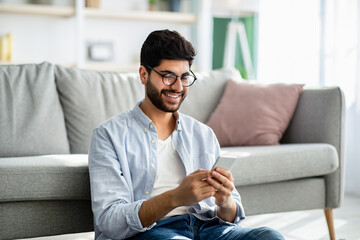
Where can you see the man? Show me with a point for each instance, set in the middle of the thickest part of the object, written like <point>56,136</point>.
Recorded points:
<point>149,167</point>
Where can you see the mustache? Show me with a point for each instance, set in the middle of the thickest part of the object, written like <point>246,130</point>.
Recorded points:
<point>172,91</point>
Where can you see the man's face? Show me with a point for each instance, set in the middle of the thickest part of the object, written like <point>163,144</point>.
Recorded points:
<point>167,98</point>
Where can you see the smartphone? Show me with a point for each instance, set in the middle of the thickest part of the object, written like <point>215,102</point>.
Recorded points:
<point>224,162</point>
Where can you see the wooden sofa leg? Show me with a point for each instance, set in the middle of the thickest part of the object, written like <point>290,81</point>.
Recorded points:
<point>330,222</point>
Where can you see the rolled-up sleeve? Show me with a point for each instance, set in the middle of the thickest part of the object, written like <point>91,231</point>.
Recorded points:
<point>115,211</point>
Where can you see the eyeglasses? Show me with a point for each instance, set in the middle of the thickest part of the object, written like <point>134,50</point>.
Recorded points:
<point>170,78</point>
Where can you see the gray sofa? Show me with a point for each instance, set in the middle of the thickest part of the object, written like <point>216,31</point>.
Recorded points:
<point>47,113</point>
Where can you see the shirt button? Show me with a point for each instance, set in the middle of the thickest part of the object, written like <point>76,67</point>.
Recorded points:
<point>147,192</point>
<point>153,141</point>
<point>145,129</point>
<point>151,126</point>
<point>152,165</point>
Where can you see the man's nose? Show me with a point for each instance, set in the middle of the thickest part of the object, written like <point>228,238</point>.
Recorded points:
<point>177,86</point>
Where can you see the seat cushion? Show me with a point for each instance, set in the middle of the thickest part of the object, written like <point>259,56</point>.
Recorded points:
<point>48,177</point>
<point>66,177</point>
<point>266,164</point>
<point>31,118</point>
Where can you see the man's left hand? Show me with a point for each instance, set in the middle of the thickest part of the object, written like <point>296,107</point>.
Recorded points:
<point>223,183</point>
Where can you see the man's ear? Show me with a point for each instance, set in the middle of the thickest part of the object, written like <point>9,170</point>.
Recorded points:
<point>143,74</point>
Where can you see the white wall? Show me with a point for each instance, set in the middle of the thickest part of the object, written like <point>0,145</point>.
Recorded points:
<point>37,38</point>
<point>289,41</point>
<point>128,36</point>
<point>42,38</point>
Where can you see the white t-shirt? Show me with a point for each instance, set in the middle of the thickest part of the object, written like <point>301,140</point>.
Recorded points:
<point>170,172</point>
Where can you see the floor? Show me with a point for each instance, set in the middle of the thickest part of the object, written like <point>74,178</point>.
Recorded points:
<point>311,225</point>
<point>302,225</point>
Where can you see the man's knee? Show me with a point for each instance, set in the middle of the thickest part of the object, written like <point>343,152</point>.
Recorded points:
<point>268,233</point>
<point>160,234</point>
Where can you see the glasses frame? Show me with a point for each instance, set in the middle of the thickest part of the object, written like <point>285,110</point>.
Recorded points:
<point>163,75</point>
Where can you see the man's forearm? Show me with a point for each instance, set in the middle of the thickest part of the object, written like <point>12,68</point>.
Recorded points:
<point>156,208</point>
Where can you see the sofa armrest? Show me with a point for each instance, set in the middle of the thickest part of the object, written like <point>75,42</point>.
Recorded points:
<point>320,118</point>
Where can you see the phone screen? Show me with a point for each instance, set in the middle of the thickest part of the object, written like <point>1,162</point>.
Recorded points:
<point>224,162</point>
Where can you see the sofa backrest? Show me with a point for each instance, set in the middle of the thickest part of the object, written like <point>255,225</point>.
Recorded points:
<point>205,94</point>
<point>89,98</point>
<point>31,117</point>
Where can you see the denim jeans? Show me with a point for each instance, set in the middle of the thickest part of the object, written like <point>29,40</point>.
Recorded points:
<point>189,227</point>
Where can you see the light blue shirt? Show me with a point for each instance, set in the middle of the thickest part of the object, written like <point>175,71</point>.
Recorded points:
<point>123,163</point>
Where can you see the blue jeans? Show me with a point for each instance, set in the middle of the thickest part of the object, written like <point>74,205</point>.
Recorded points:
<point>189,227</point>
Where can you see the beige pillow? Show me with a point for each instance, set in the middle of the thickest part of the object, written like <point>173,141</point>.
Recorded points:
<point>254,114</point>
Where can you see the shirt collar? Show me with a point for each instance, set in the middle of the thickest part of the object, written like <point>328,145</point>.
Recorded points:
<point>146,122</point>
<point>177,117</point>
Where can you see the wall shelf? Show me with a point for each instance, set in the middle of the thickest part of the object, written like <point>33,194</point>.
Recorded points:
<point>173,17</point>
<point>36,62</point>
<point>61,11</point>
<point>36,9</point>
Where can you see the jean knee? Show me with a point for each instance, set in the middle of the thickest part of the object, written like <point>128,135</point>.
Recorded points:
<point>270,234</point>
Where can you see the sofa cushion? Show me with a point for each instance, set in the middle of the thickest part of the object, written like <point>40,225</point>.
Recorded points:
<point>254,114</point>
<point>205,94</point>
<point>47,177</point>
<point>89,98</point>
<point>266,164</point>
<point>31,117</point>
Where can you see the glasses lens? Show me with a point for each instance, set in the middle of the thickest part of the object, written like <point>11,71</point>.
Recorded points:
<point>169,79</point>
<point>187,80</point>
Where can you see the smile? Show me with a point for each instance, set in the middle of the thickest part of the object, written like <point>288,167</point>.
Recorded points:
<point>172,95</point>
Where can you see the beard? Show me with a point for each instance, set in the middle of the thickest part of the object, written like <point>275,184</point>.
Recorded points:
<point>155,97</point>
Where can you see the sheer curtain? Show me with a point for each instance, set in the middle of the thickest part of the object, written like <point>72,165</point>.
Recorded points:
<point>316,43</point>
<point>342,67</point>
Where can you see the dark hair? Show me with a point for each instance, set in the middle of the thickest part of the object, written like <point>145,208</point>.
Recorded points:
<point>165,44</point>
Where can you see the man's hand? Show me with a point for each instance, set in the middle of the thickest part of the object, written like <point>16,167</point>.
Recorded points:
<point>223,182</point>
<point>194,188</point>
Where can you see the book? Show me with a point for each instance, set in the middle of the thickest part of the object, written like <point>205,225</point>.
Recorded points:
<point>6,48</point>
<point>3,49</point>
<point>9,55</point>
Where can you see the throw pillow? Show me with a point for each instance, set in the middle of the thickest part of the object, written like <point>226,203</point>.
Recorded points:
<point>254,114</point>
<point>89,98</point>
<point>31,118</point>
